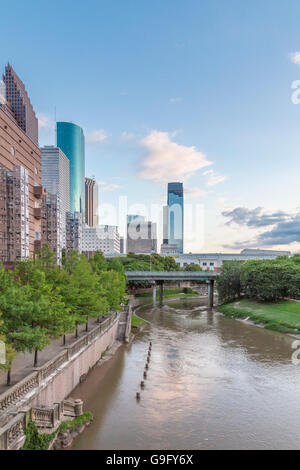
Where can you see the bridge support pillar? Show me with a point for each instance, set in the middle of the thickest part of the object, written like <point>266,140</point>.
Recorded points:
<point>210,285</point>
<point>161,293</point>
<point>154,293</point>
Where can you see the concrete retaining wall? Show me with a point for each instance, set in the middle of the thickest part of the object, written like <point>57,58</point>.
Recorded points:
<point>57,388</point>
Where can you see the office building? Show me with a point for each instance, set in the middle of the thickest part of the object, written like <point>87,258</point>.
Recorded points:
<point>51,223</point>
<point>122,245</point>
<point>19,102</point>
<point>175,215</point>
<point>165,225</point>
<point>74,231</point>
<point>70,139</point>
<point>104,238</point>
<point>56,180</point>
<point>168,250</point>
<point>19,153</point>
<point>141,237</point>
<point>91,202</point>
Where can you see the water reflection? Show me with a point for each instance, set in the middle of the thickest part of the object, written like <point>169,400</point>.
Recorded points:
<point>213,383</point>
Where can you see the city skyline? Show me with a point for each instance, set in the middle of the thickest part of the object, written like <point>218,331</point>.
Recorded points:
<point>211,128</point>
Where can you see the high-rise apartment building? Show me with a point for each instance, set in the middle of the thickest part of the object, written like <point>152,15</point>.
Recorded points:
<point>19,149</point>
<point>19,102</point>
<point>91,202</point>
<point>14,214</point>
<point>74,227</point>
<point>103,238</point>
<point>141,236</point>
<point>70,139</point>
<point>56,180</point>
<point>51,223</point>
<point>175,215</point>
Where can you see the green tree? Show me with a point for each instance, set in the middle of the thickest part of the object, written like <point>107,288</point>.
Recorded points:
<point>229,282</point>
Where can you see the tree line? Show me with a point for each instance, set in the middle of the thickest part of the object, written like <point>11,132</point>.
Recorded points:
<point>40,301</point>
<point>262,280</point>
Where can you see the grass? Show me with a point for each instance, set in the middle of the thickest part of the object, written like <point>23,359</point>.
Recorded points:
<point>281,316</point>
<point>136,322</point>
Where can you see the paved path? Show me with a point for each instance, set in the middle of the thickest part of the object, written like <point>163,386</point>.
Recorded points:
<point>23,363</point>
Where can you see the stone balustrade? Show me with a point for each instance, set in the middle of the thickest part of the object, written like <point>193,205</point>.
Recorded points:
<point>19,393</point>
<point>47,419</point>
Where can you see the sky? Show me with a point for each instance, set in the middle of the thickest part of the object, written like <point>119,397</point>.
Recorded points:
<point>203,92</point>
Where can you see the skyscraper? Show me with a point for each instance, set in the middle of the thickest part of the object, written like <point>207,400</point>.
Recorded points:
<point>141,236</point>
<point>91,202</point>
<point>20,155</point>
<point>19,102</point>
<point>70,139</point>
<point>56,180</point>
<point>175,215</point>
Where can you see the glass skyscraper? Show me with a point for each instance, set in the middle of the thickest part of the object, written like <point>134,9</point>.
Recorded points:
<point>175,215</point>
<point>70,139</point>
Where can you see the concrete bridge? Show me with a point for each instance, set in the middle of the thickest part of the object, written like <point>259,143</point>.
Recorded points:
<point>158,279</point>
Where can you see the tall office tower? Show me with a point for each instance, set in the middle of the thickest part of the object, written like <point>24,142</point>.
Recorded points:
<point>175,215</point>
<point>91,202</point>
<point>51,223</point>
<point>103,238</point>
<point>14,214</point>
<point>19,148</point>
<point>141,237</point>
<point>17,98</point>
<point>165,225</point>
<point>70,139</point>
<point>74,231</point>
<point>56,180</point>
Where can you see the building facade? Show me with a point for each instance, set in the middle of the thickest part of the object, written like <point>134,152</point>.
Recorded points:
<point>74,231</point>
<point>70,139</point>
<point>19,102</point>
<point>103,238</point>
<point>214,261</point>
<point>175,215</point>
<point>168,250</point>
<point>141,237</point>
<point>56,180</point>
<point>51,223</point>
<point>14,214</point>
<point>18,148</point>
<point>91,202</point>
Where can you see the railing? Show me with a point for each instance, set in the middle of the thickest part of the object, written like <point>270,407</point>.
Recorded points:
<point>19,391</point>
<point>12,436</point>
<point>47,419</point>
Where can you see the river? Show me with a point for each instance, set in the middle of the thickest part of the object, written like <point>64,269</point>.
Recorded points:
<point>213,383</point>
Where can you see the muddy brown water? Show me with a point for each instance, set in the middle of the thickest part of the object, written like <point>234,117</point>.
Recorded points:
<point>213,383</point>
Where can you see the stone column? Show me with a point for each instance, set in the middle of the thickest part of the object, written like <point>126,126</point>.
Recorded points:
<point>210,293</point>
<point>154,293</point>
<point>161,293</point>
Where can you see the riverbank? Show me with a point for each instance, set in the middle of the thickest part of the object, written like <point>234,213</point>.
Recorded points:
<point>283,316</point>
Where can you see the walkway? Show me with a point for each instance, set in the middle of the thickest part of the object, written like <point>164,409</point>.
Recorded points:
<point>23,363</point>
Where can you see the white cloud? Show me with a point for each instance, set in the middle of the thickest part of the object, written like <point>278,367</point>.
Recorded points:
<point>108,187</point>
<point>166,160</point>
<point>175,100</point>
<point>295,57</point>
<point>213,178</point>
<point>45,121</point>
<point>96,136</point>
<point>194,192</point>
<point>127,136</point>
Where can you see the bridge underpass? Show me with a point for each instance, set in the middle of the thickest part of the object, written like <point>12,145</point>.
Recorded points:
<point>158,278</point>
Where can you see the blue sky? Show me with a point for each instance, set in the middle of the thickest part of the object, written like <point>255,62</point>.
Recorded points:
<point>189,90</point>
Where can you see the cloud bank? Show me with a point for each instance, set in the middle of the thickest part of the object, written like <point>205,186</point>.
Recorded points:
<point>97,136</point>
<point>166,160</point>
<point>284,228</point>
